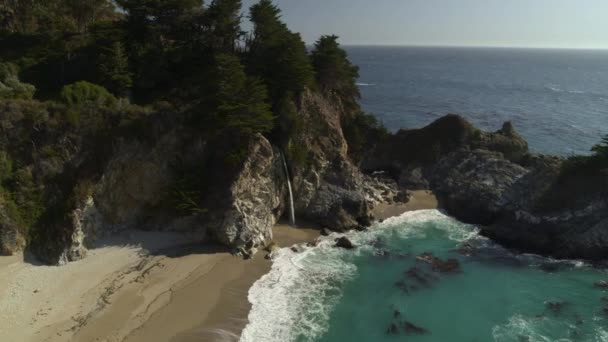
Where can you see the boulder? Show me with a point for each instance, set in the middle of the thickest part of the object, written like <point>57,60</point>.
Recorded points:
<point>344,242</point>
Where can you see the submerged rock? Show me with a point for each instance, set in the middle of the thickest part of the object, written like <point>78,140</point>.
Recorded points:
<point>556,307</point>
<point>601,285</point>
<point>412,329</point>
<point>439,265</point>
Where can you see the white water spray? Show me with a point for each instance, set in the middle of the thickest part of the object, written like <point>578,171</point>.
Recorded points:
<point>292,213</point>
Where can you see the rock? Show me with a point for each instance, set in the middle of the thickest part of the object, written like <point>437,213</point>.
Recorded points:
<point>330,190</point>
<point>601,285</point>
<point>11,239</point>
<point>556,307</point>
<point>411,329</point>
<point>344,242</point>
<point>532,203</point>
<point>325,232</point>
<point>438,265</point>
<point>245,200</point>
<point>392,329</point>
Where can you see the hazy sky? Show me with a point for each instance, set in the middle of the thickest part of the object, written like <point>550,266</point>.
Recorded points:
<point>509,23</point>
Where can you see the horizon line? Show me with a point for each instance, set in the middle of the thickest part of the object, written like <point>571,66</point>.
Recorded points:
<point>475,46</point>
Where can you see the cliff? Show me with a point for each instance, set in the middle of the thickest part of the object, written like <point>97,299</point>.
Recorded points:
<point>169,177</point>
<point>533,203</point>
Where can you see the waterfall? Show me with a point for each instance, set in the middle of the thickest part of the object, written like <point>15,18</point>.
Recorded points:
<point>292,212</point>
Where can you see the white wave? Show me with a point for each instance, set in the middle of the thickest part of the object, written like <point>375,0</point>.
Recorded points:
<point>366,84</point>
<point>296,298</point>
<point>519,326</point>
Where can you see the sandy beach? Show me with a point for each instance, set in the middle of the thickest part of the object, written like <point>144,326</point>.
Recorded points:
<point>144,286</point>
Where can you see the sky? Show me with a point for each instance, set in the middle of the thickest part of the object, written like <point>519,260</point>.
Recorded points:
<point>581,24</point>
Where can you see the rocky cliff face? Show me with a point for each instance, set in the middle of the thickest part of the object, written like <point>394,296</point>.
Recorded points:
<point>329,189</point>
<point>522,200</point>
<point>169,176</point>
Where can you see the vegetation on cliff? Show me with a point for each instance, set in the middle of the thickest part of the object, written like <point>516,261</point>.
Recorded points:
<point>79,77</point>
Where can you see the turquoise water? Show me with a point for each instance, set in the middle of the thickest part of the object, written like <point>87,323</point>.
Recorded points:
<point>328,294</point>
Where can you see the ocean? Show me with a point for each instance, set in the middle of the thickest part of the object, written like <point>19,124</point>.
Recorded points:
<point>557,99</point>
<point>385,290</point>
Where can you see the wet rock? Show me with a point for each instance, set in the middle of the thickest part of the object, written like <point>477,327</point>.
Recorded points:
<point>550,267</point>
<point>396,314</point>
<point>466,249</point>
<point>556,307</point>
<point>412,329</point>
<point>344,242</point>
<point>392,329</point>
<point>439,265</point>
<point>325,232</point>
<point>601,285</point>
<point>419,276</point>
<point>402,285</point>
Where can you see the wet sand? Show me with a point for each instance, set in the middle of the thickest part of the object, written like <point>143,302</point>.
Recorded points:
<point>420,200</point>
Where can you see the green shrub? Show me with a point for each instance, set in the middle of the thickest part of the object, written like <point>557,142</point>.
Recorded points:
<point>298,155</point>
<point>11,87</point>
<point>362,131</point>
<point>6,167</point>
<point>86,93</point>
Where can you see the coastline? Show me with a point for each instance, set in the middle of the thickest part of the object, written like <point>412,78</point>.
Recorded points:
<point>174,292</point>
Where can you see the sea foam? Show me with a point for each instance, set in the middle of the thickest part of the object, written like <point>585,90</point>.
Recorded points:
<point>295,299</point>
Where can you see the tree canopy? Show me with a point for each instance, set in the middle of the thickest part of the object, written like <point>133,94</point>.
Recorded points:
<point>335,74</point>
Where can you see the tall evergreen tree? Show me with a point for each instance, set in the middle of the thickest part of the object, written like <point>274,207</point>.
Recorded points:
<point>335,74</point>
<point>601,149</point>
<point>221,24</point>
<point>276,54</point>
<point>114,69</point>
<point>236,102</point>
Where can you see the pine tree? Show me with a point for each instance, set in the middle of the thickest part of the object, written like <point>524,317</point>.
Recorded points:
<point>335,74</point>
<point>222,25</point>
<point>114,69</point>
<point>276,54</point>
<point>601,149</point>
<point>236,102</point>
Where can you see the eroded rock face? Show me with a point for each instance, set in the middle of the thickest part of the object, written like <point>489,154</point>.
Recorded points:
<point>254,200</point>
<point>11,240</point>
<point>135,180</point>
<point>330,190</point>
<point>521,200</point>
<point>473,184</point>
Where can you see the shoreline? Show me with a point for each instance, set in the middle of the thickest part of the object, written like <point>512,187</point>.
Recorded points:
<point>146,286</point>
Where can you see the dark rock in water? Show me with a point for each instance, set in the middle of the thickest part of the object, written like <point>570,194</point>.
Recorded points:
<point>605,310</point>
<point>392,329</point>
<point>447,266</point>
<point>550,267</point>
<point>412,329</point>
<point>419,276</point>
<point>361,228</point>
<point>401,285</point>
<point>296,249</point>
<point>466,249</point>
<point>344,242</point>
<point>325,231</point>
<point>556,307</point>
<point>438,265</point>
<point>396,314</point>
<point>601,285</point>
